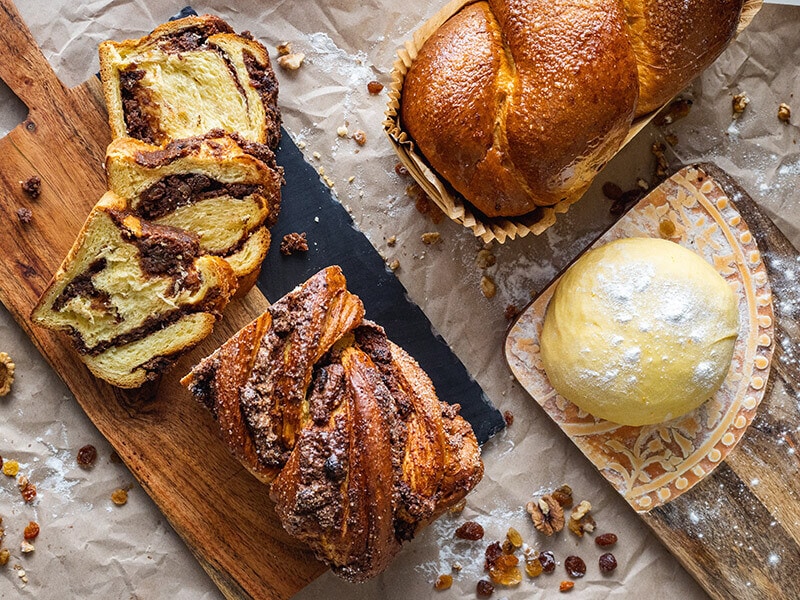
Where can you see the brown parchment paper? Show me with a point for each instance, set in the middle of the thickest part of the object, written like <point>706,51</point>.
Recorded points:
<point>89,548</point>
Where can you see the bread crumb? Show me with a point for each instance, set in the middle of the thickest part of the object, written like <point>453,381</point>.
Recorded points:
<point>394,265</point>
<point>488,287</point>
<point>431,237</point>
<point>316,155</point>
<point>294,242</point>
<point>32,186</point>
<point>391,241</point>
<point>342,131</point>
<point>284,48</point>
<point>24,215</point>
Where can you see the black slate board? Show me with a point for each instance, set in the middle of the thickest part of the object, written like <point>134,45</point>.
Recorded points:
<point>308,206</point>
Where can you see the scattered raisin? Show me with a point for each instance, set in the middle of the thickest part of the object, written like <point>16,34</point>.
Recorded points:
<point>31,531</point>
<point>514,537</point>
<point>575,566</point>
<point>607,562</point>
<point>511,312</point>
<point>612,191</point>
<point>360,137</point>
<point>548,561</point>
<point>443,582</point>
<point>11,468</point>
<point>666,228</point>
<point>566,586</point>
<point>484,588</point>
<point>4,556</point>
<point>605,539</point>
<point>400,169</point>
<point>563,495</point>
<point>87,455</point>
<point>508,417</point>
<point>493,552</point>
<point>470,531</point>
<point>119,496</point>
<point>374,87</point>
<point>533,567</point>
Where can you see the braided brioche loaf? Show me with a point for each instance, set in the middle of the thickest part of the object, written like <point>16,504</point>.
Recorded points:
<point>347,427</point>
<point>519,103</point>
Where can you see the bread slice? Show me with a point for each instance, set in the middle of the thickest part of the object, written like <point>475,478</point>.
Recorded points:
<point>186,78</point>
<point>209,185</point>
<point>133,295</point>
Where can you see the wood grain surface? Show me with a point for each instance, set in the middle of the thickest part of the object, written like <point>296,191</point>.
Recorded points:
<point>166,439</point>
<point>738,530</point>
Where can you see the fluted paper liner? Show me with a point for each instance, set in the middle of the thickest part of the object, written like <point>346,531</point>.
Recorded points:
<point>445,197</point>
<point>654,464</point>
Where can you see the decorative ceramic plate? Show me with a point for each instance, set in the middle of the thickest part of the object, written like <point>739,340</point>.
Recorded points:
<point>651,465</point>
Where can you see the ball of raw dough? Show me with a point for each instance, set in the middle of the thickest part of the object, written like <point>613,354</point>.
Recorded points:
<point>639,331</point>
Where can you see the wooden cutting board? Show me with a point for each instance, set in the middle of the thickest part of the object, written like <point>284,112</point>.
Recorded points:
<point>166,439</point>
<point>736,530</point>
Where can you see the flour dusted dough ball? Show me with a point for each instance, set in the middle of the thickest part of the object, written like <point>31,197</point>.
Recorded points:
<point>639,331</point>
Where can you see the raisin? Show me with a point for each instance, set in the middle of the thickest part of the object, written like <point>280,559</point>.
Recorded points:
<point>470,531</point>
<point>374,87</point>
<point>612,191</point>
<point>360,137</point>
<point>563,495</point>
<point>400,169</point>
<point>566,586</point>
<point>533,567</point>
<point>548,561</point>
<point>484,588</point>
<point>607,563</point>
<point>508,576</point>
<point>514,537</point>
<point>606,539</point>
<point>31,531</point>
<point>87,455</point>
<point>508,416</point>
<point>575,566</point>
<point>493,552</point>
<point>119,496</point>
<point>443,582</point>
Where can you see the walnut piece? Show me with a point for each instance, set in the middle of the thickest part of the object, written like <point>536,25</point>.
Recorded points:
<point>6,373</point>
<point>546,514</point>
<point>580,521</point>
<point>784,113</point>
<point>739,103</point>
<point>488,287</point>
<point>291,62</point>
<point>284,49</point>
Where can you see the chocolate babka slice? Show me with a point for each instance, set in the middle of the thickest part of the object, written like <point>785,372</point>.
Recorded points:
<point>187,78</point>
<point>132,295</point>
<point>360,451</point>
<point>218,186</point>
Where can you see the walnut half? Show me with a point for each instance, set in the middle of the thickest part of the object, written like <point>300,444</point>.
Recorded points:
<point>546,514</point>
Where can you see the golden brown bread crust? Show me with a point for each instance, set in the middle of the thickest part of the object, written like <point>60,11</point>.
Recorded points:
<point>364,452</point>
<point>519,103</point>
<point>674,41</point>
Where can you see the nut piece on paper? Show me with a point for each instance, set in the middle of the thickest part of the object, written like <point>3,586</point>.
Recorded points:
<point>291,62</point>
<point>546,514</point>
